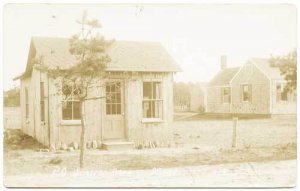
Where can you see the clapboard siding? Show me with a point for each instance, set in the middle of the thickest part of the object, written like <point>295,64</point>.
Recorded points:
<point>141,132</point>
<point>66,132</point>
<point>69,131</point>
<point>33,126</point>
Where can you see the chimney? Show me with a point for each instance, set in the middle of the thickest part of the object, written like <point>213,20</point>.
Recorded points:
<point>223,61</point>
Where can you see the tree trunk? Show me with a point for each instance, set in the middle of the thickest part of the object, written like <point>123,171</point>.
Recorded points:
<point>82,136</point>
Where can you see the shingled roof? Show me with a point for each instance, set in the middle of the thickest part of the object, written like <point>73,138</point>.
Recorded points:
<point>224,77</point>
<point>264,65</point>
<point>125,55</point>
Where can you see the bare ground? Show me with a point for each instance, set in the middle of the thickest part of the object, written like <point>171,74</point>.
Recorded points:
<point>208,134</point>
<point>26,161</point>
<point>270,174</point>
<point>203,149</point>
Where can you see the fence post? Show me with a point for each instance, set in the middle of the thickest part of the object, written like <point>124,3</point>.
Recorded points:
<point>235,126</point>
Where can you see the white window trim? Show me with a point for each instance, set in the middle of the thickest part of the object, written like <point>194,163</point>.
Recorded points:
<point>70,122</point>
<point>122,99</point>
<point>66,121</point>
<point>223,100</point>
<point>282,84</point>
<point>154,120</point>
<point>247,101</point>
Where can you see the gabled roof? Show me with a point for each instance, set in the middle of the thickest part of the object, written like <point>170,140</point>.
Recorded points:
<point>125,55</point>
<point>264,66</point>
<point>224,77</point>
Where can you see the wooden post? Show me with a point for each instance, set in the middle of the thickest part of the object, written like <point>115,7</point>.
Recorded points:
<point>235,125</point>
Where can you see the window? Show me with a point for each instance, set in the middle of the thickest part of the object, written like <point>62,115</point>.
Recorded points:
<point>152,100</point>
<point>226,94</point>
<point>42,101</point>
<point>281,94</point>
<point>26,103</point>
<point>113,98</point>
<point>71,108</point>
<point>246,92</point>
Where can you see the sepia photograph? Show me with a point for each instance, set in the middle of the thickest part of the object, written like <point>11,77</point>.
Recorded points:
<point>199,95</point>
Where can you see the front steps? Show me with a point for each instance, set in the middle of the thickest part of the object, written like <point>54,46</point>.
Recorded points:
<point>117,145</point>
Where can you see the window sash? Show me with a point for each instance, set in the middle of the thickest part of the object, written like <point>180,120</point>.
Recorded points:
<point>281,95</point>
<point>72,102</point>
<point>153,109</point>
<point>246,92</point>
<point>70,111</point>
<point>226,95</point>
<point>152,100</point>
<point>113,98</point>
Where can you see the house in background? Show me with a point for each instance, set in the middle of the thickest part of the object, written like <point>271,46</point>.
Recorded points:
<point>139,87</point>
<point>258,88</point>
<point>254,88</point>
<point>198,98</point>
<point>219,89</point>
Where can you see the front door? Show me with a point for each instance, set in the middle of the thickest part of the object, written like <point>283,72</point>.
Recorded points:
<point>114,111</point>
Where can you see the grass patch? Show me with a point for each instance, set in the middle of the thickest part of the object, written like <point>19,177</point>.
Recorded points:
<point>14,139</point>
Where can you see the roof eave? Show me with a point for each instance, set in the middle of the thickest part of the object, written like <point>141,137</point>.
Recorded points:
<point>19,77</point>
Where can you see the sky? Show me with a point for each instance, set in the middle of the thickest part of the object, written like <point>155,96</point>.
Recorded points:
<point>195,35</point>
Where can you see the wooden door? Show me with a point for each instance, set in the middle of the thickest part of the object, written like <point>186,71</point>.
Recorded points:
<point>44,128</point>
<point>114,111</point>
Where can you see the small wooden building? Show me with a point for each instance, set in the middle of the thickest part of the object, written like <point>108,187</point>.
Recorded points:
<point>140,108</point>
<point>254,88</point>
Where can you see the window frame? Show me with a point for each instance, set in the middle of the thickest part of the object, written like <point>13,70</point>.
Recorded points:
<point>116,102</point>
<point>223,94</point>
<point>72,121</point>
<point>281,84</point>
<point>160,101</point>
<point>249,91</point>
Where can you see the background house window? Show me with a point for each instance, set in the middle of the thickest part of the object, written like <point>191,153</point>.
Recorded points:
<point>42,101</point>
<point>71,108</point>
<point>152,100</point>
<point>281,95</point>
<point>113,98</point>
<point>226,95</point>
<point>246,92</point>
<point>26,103</point>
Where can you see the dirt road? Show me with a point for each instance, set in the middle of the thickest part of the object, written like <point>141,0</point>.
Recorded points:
<point>267,174</point>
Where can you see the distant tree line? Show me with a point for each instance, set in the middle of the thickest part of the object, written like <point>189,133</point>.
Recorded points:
<point>182,93</point>
<point>11,98</point>
<point>288,68</point>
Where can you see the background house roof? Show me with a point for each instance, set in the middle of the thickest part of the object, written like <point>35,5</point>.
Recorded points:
<point>125,55</point>
<point>264,65</point>
<point>224,77</point>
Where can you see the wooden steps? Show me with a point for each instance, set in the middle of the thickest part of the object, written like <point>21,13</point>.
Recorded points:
<point>117,145</point>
